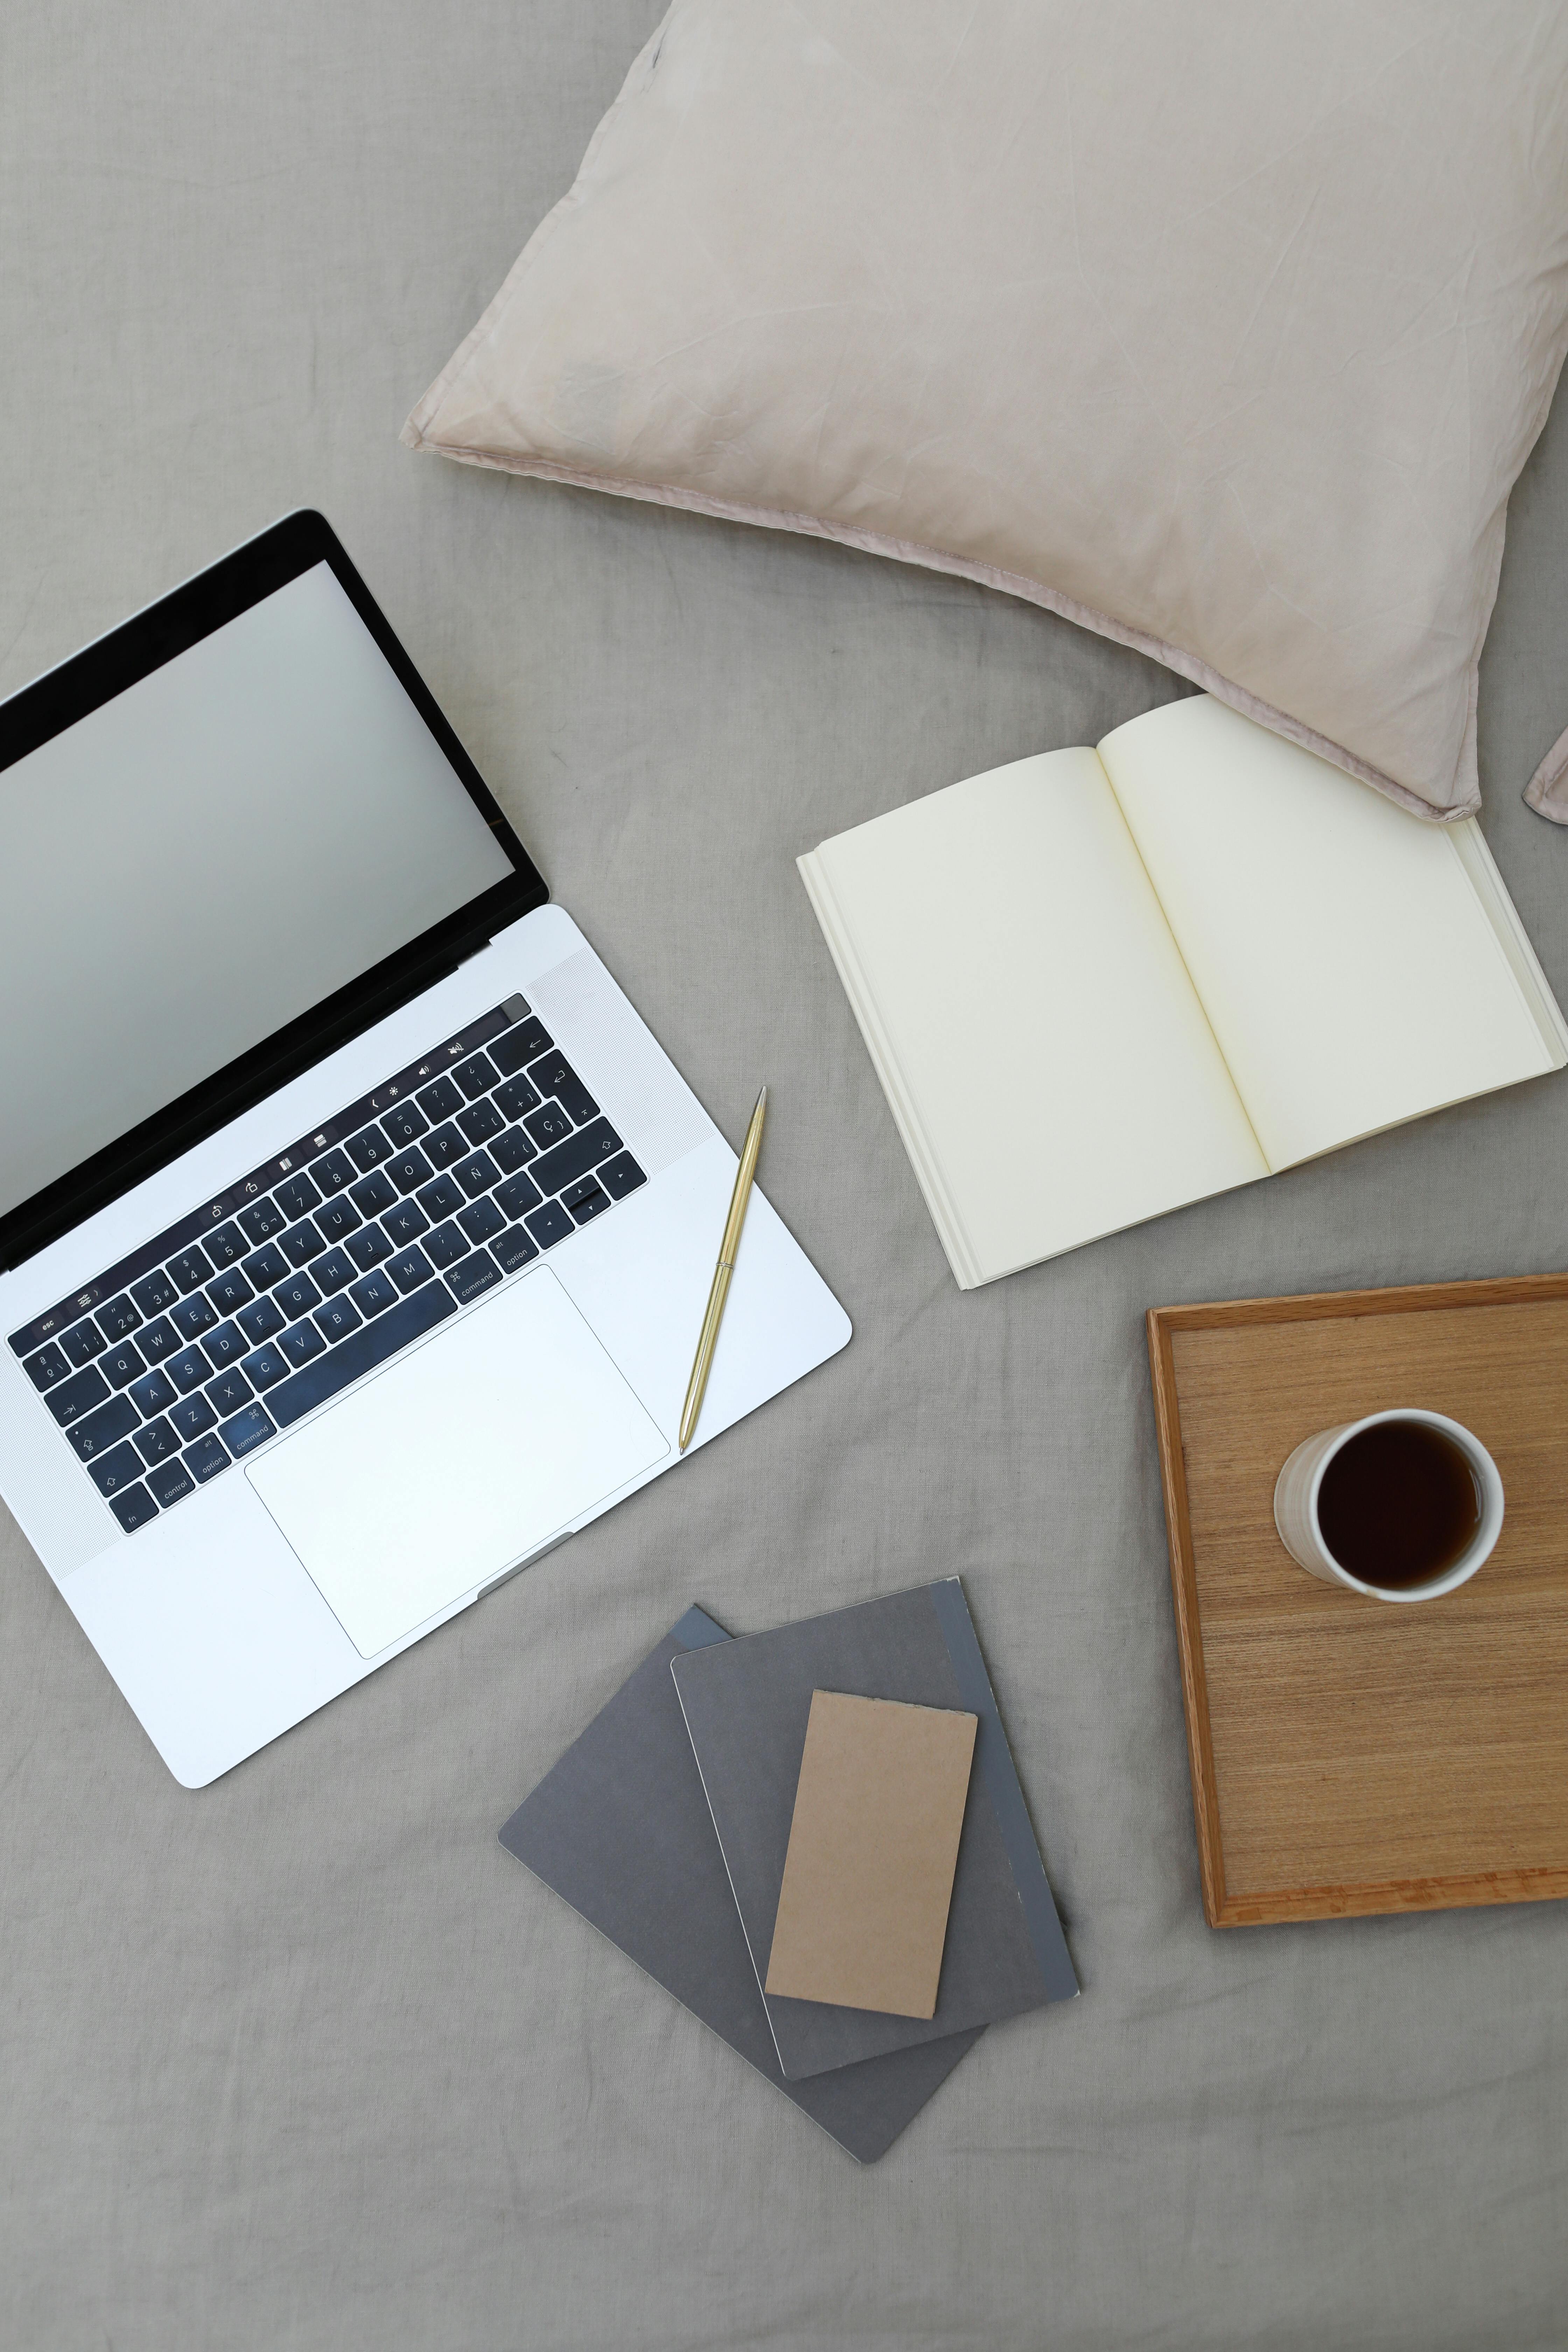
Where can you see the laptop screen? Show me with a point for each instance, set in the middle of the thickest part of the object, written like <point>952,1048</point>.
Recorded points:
<point>206,858</point>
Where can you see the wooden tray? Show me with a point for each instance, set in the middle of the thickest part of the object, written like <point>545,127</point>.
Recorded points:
<point>1351,1755</point>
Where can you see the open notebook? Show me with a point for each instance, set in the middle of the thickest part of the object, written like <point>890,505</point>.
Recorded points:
<point>1099,985</point>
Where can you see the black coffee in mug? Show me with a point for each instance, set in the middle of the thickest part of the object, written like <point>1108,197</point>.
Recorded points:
<point>1399,1505</point>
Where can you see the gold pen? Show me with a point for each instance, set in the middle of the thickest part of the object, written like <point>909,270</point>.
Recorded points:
<point>696,1386</point>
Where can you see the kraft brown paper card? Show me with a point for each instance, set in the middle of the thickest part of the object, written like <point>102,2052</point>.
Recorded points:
<point>873,1844</point>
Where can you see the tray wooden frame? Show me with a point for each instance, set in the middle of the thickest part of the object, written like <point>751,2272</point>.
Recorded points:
<point>1507,1377</point>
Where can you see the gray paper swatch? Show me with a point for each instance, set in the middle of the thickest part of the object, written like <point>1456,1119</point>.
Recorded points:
<point>620,1827</point>
<point>746,1705</point>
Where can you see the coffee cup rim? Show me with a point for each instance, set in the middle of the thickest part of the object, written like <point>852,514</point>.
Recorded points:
<point>1481,1544</point>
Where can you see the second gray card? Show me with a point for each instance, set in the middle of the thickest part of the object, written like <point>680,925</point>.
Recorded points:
<point>746,1703</point>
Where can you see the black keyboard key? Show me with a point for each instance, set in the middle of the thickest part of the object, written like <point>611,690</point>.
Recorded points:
<point>480,1219</point>
<point>262,1319</point>
<point>409,1169</point>
<point>153,1392</point>
<point>191,1268</point>
<point>368,1148</point>
<point>224,1246</point>
<point>548,1126</point>
<point>155,1441</point>
<point>476,1174</point>
<point>260,1221</point>
<point>473,1274</point>
<point>121,1364</point>
<point>621,1175</point>
<point>296,1296</point>
<point>405,1224</point>
<point>227,1344</point>
<point>69,1400</point>
<point>133,1506</point>
<point>268,1365</point>
<point>553,1075</point>
<point>368,1247</point>
<point>191,1416</point>
<point>404,1122</point>
<point>230,1291</point>
<point>408,1269</point>
<point>446,1144</point>
<point>297,1196</point>
<point>337,1218</point>
<point>224,1346</point>
<point>171,1482</point>
<point>481,1120</point>
<point>266,1266</point>
<point>331,1171</point>
<point>117,1469</point>
<point>586,1199</point>
<point>206,1460</point>
<point>300,1342</point>
<point>104,1428</point>
<point>515,1247</point>
<point>119,1317</point>
<point>188,1369</point>
<point>50,1364</point>
<point>513,1148</point>
<point>333,1272</point>
<point>159,1339</point>
<point>374,1194</point>
<point>192,1315</point>
<point>440,1100</point>
<point>515,1097</point>
<point>229,1392</point>
<point>153,1292</point>
<point>338,1318</point>
<point>477,1075</point>
<point>409,1319</point>
<point>372,1294</point>
<point>520,1044</point>
<point>441,1199</point>
<point>247,1430</point>
<point>550,1224</point>
<point>520,1194</point>
<point>446,1245</point>
<point>83,1341</point>
<point>575,1158</point>
<point>302,1241</point>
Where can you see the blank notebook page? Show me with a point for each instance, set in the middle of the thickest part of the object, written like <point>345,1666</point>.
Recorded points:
<point>1352,974</point>
<point>1052,1071</point>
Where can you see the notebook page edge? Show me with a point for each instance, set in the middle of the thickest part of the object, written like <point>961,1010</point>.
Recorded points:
<point>1156,1052</point>
<point>1473,853</point>
<point>942,1210</point>
<point>1292,1104</point>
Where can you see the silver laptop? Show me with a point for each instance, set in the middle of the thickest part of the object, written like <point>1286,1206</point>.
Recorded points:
<point>355,1232</point>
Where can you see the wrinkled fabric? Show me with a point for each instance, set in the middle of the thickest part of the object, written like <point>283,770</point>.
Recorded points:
<point>1547,790</point>
<point>1221,329</point>
<point>306,2063</point>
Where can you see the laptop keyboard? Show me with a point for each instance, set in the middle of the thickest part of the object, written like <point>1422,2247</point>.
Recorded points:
<point>325,1262</point>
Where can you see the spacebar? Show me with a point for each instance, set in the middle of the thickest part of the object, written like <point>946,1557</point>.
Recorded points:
<point>345,1364</point>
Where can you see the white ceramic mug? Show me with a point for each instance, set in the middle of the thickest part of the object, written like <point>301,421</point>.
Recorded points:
<point>1300,1483</point>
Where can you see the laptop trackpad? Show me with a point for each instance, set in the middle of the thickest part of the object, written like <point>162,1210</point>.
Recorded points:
<point>455,1462</point>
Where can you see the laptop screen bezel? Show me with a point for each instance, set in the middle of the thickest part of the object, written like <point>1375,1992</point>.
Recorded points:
<point>98,674</point>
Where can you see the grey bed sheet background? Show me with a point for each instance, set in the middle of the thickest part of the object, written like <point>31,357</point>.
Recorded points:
<point>306,2061</point>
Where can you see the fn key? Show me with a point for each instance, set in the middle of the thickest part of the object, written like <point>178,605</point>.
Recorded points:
<point>620,1176</point>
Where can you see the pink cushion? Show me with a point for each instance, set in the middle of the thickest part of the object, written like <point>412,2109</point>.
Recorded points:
<point>1222,329</point>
